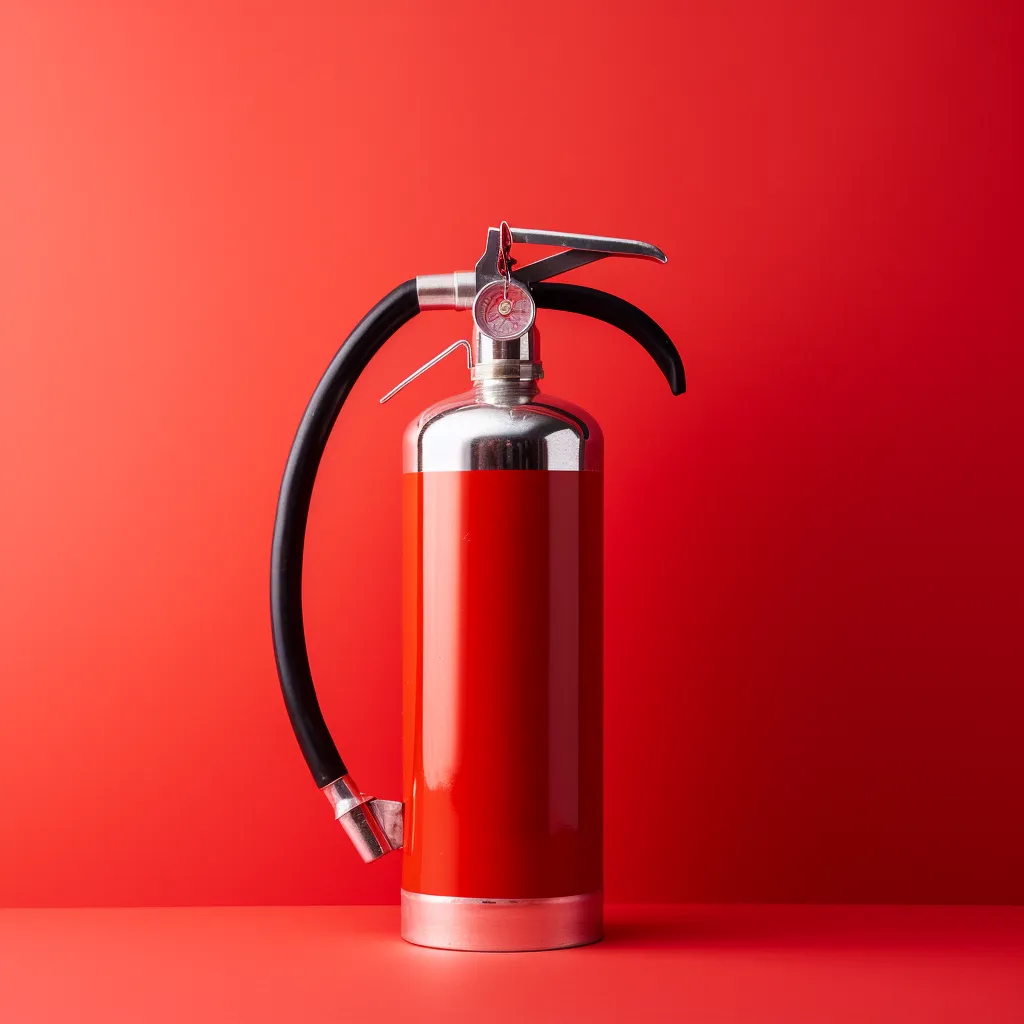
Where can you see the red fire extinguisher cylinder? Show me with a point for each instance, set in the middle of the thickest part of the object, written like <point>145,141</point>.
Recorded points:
<point>502,707</point>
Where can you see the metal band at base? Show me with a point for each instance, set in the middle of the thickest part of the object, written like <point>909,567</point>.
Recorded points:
<point>501,926</point>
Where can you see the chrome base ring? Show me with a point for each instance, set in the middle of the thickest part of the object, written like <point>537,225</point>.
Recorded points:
<point>501,926</point>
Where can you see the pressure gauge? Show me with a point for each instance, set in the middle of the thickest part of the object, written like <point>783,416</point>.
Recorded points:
<point>504,312</point>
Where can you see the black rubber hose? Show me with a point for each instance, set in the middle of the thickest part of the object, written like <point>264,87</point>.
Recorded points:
<point>574,298</point>
<point>307,719</point>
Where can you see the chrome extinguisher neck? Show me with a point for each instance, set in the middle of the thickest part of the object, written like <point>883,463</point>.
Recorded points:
<point>497,363</point>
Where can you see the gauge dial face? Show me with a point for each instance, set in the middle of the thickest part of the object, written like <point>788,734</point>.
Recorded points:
<point>502,316</point>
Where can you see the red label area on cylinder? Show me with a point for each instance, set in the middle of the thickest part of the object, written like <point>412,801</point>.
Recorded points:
<point>502,664</point>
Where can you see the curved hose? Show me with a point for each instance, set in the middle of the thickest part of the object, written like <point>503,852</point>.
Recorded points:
<point>322,756</point>
<point>575,298</point>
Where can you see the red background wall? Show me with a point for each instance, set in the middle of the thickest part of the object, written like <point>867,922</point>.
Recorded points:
<point>814,558</point>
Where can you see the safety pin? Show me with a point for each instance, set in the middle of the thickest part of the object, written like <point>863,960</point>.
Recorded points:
<point>461,343</point>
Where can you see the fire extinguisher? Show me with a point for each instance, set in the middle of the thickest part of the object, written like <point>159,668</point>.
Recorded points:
<point>500,822</point>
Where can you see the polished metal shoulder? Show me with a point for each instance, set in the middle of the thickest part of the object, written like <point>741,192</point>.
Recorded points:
<point>501,425</point>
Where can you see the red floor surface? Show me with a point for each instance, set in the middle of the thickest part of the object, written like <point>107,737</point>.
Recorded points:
<point>733,963</point>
